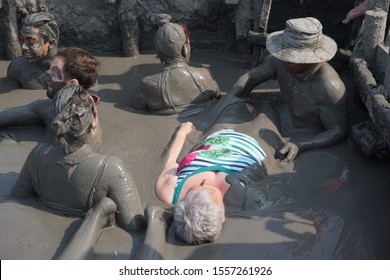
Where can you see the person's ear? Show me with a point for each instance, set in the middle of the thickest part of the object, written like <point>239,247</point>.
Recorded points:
<point>95,117</point>
<point>185,50</point>
<point>73,82</point>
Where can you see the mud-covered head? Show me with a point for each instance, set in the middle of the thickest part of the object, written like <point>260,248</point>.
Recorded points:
<point>71,65</point>
<point>39,34</point>
<point>172,41</point>
<point>76,119</point>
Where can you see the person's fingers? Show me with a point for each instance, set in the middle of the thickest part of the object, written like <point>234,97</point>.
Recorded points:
<point>186,127</point>
<point>284,150</point>
<point>189,126</point>
<point>291,155</point>
<point>348,17</point>
<point>291,149</point>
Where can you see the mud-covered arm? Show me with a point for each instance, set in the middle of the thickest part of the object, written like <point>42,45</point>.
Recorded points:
<point>33,83</point>
<point>138,99</point>
<point>12,74</point>
<point>356,12</point>
<point>123,190</point>
<point>167,180</point>
<point>331,107</point>
<point>332,111</point>
<point>28,114</point>
<point>212,89</point>
<point>247,82</point>
<point>146,95</point>
<point>23,186</point>
<point>333,115</point>
<point>23,74</point>
<point>335,129</point>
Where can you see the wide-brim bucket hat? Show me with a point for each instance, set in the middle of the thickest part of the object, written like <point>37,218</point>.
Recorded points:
<point>301,42</point>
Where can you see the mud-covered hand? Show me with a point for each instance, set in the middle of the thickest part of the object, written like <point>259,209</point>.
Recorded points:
<point>290,150</point>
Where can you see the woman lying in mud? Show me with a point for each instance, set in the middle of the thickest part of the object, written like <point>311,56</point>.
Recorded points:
<point>71,178</point>
<point>198,183</point>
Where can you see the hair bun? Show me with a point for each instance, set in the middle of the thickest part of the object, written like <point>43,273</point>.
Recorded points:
<point>163,19</point>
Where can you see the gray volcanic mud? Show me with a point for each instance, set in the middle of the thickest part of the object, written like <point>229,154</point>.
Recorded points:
<point>332,203</point>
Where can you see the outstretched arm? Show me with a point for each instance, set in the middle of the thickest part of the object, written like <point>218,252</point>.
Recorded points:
<point>167,180</point>
<point>28,114</point>
<point>356,12</point>
<point>247,82</point>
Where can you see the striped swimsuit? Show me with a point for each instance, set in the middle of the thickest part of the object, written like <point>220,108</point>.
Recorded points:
<point>226,150</point>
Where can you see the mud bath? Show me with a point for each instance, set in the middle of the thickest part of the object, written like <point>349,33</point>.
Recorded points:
<point>333,205</point>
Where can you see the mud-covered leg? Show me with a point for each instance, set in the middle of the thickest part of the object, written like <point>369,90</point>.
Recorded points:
<point>84,240</point>
<point>158,221</point>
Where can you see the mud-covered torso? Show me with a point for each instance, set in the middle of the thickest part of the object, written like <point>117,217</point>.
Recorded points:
<point>69,186</point>
<point>29,75</point>
<point>226,151</point>
<point>177,85</point>
<point>302,96</point>
<point>183,85</point>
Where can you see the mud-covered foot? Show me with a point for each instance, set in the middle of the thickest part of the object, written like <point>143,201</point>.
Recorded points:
<point>104,211</point>
<point>156,213</point>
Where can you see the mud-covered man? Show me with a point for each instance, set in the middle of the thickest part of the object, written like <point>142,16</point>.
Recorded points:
<point>179,84</point>
<point>311,111</point>
<point>39,38</point>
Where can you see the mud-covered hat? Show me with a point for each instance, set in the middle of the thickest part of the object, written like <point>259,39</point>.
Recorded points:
<point>301,42</point>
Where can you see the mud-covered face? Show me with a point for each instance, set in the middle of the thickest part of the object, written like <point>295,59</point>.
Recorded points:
<point>34,46</point>
<point>55,77</point>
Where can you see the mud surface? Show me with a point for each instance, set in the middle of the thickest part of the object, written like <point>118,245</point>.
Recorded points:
<point>333,205</point>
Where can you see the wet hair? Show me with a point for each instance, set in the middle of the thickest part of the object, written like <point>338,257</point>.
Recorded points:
<point>75,117</point>
<point>45,22</point>
<point>80,65</point>
<point>186,32</point>
<point>197,218</point>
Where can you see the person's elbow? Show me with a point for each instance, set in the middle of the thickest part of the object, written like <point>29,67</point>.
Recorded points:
<point>20,191</point>
<point>137,102</point>
<point>339,133</point>
<point>137,223</point>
